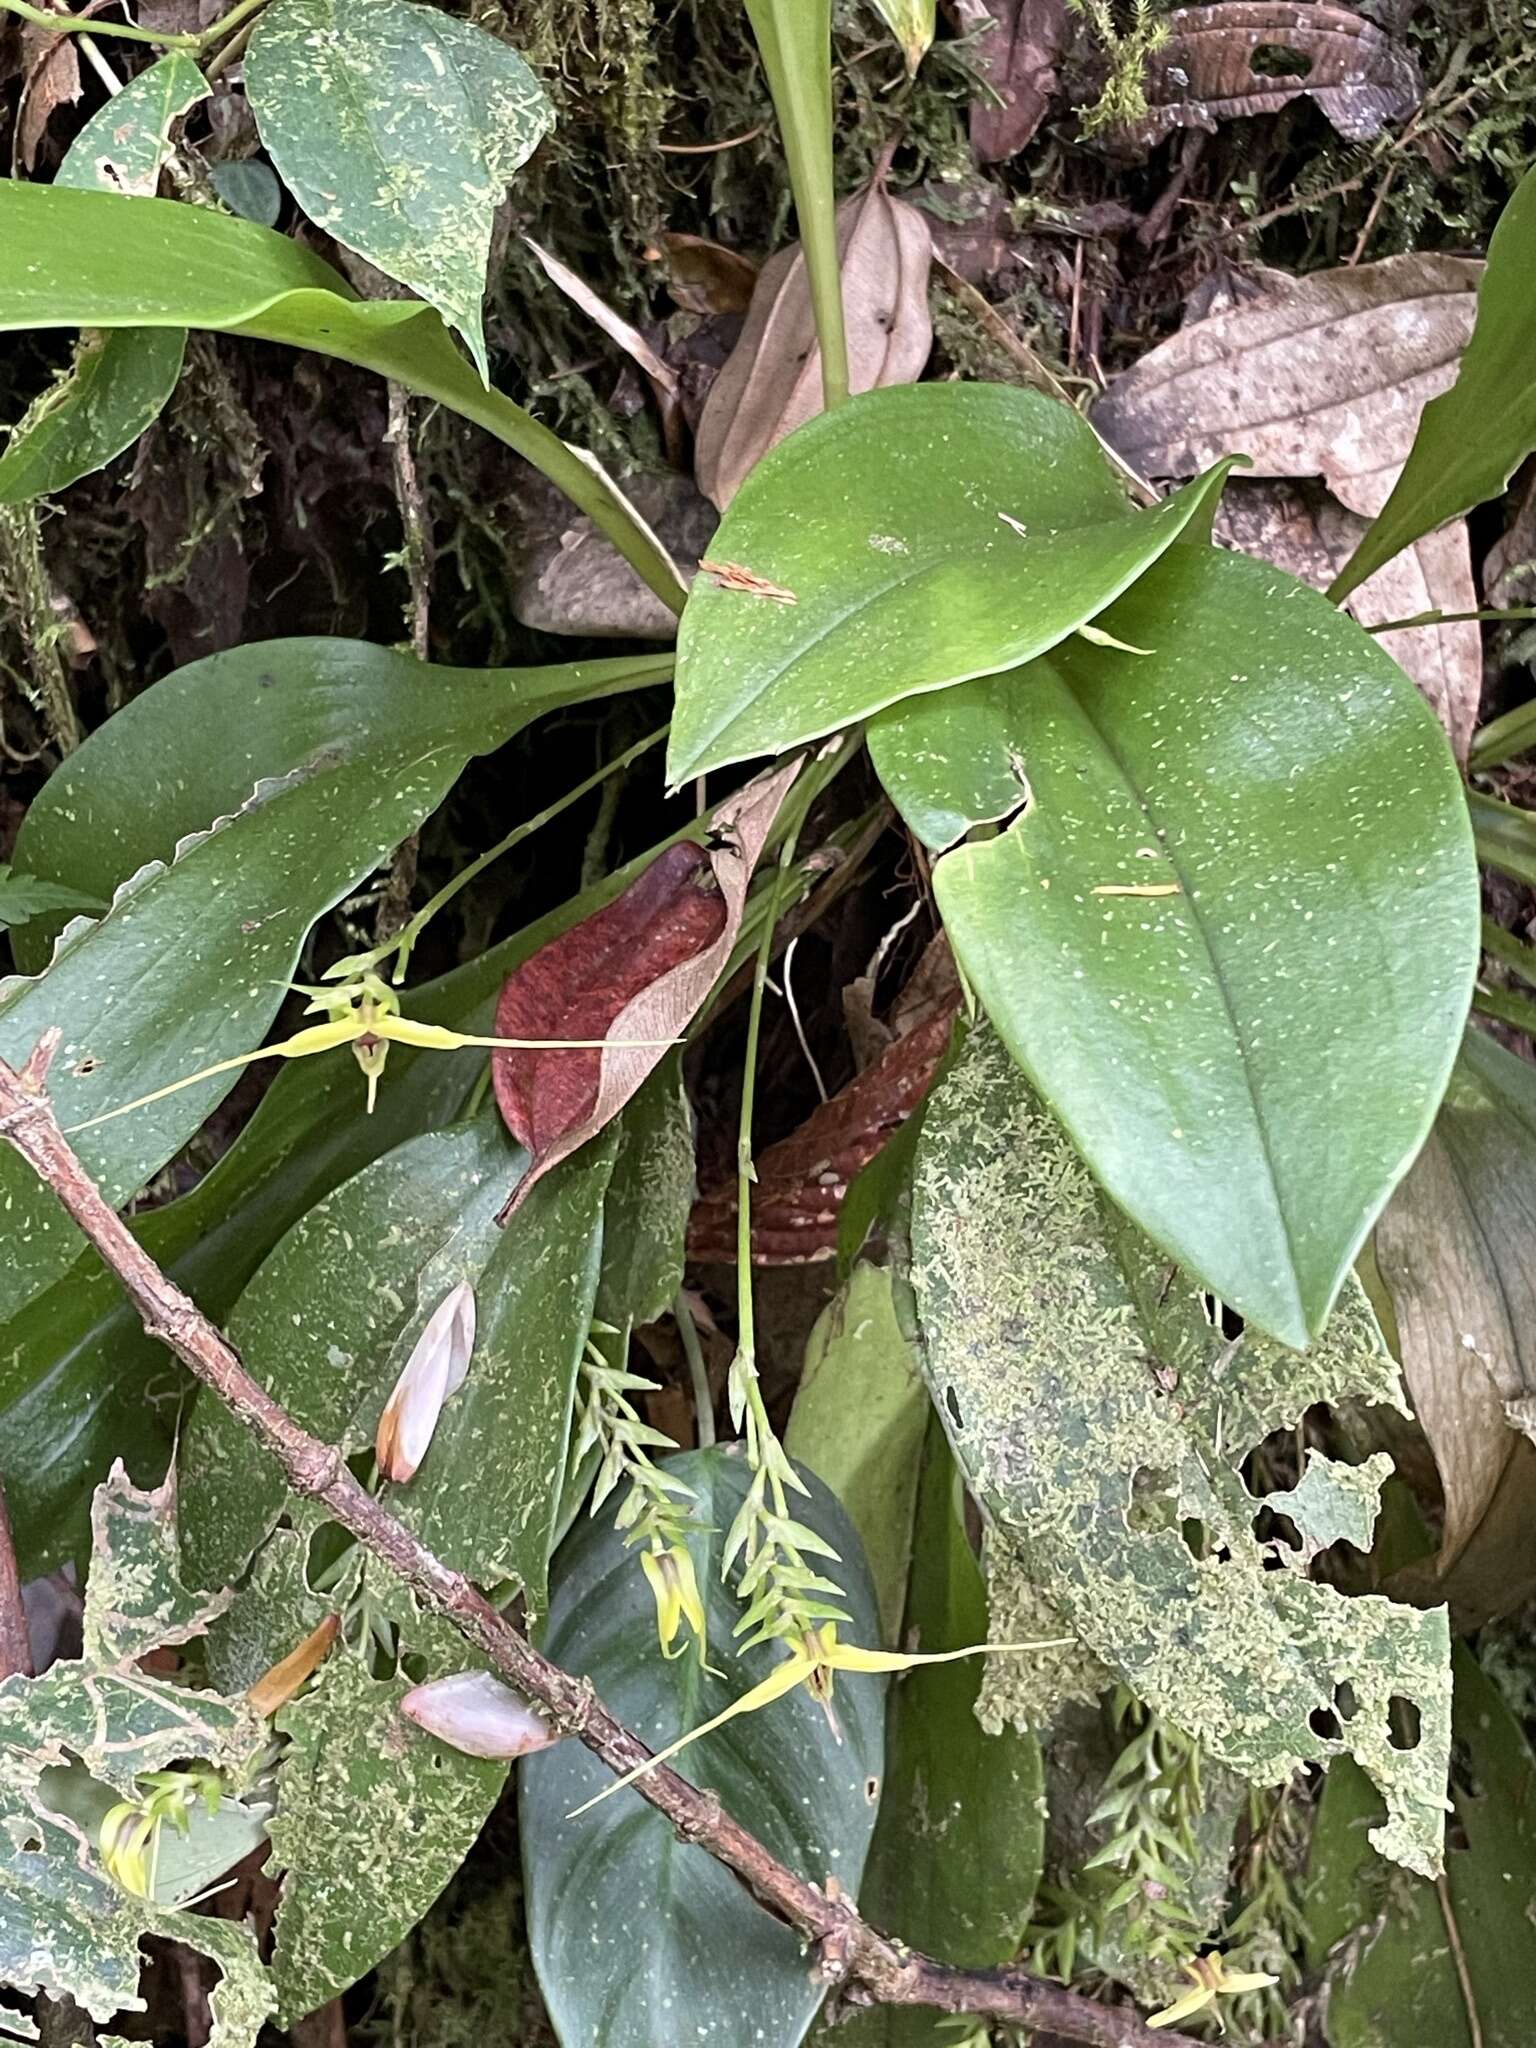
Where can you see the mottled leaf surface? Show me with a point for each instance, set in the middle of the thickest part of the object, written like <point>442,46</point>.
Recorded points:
<point>124,147</point>
<point>1101,1421</point>
<point>617,1881</point>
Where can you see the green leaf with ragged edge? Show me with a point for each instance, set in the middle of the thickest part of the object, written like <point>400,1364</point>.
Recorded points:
<point>960,1840</point>
<point>349,748</point>
<point>330,1319</point>
<point>1471,438</point>
<point>1242,893</point>
<point>911,22</point>
<point>81,1735</point>
<point>716,1967</point>
<point>373,1818</point>
<point>1102,1421</point>
<point>398,128</point>
<point>858,1423</point>
<point>1453,1963</point>
<point>23,897</point>
<point>915,537</point>
<point>1332,1502</point>
<point>116,386</point>
<point>645,1213</point>
<point>127,143</point>
<point>80,1382</point>
<point>270,1615</point>
<point>96,259</point>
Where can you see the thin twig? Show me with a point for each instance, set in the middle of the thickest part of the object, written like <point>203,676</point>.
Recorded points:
<point>869,1966</point>
<point>15,1643</point>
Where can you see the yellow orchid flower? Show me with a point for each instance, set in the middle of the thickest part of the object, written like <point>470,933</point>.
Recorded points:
<point>366,1015</point>
<point>815,1665</point>
<point>127,1838</point>
<point>1212,1980</point>
<point>676,1588</point>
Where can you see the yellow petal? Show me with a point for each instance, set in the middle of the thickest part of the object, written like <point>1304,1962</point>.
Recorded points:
<point>1246,1980</point>
<point>788,1675</point>
<point>849,1656</point>
<point>1182,2008</point>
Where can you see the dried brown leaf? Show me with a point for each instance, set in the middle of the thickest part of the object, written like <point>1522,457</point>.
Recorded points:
<point>705,277</point>
<point>1243,57</point>
<point>771,383</point>
<point>1018,51</point>
<point>633,973</point>
<point>1316,376</point>
<point>661,377</point>
<point>51,79</point>
<point>1301,529</point>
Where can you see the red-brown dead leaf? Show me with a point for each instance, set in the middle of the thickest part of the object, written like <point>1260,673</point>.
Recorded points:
<point>637,970</point>
<point>732,576</point>
<point>51,79</point>
<point>1242,57</point>
<point>1021,43</point>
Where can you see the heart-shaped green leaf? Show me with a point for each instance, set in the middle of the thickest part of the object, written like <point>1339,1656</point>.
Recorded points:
<point>1233,936</point>
<point>616,1883</point>
<point>348,748</point>
<point>397,128</point>
<point>911,539</point>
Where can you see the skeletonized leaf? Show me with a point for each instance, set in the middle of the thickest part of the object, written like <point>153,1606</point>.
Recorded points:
<point>1323,375</point>
<point>124,147</point>
<point>1205,72</point>
<point>1053,1331</point>
<point>397,128</point>
<point>633,972</point>
<point>771,383</point>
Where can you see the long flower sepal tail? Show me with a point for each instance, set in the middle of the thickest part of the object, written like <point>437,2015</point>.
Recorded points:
<point>818,1659</point>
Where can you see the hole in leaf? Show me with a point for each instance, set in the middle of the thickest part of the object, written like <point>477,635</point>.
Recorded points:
<point>1193,1533</point>
<point>1270,1527</point>
<point>1324,1723</point>
<point>1403,1722</point>
<point>872,1790</point>
<point>1344,1700</point>
<point>1219,1316</point>
<point>1279,60</point>
<point>954,1408</point>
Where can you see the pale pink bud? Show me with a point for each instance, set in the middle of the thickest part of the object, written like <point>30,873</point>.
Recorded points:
<point>434,1371</point>
<point>477,1713</point>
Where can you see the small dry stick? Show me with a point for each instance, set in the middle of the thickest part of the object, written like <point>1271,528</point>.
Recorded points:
<point>15,1644</point>
<point>868,1966</point>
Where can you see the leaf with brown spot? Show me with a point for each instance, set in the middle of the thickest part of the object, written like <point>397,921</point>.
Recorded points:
<point>1018,54</point>
<point>1242,57</point>
<point>771,383</point>
<point>1302,529</point>
<point>1317,376</point>
<point>637,970</point>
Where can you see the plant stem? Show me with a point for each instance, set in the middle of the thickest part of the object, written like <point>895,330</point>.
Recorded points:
<point>846,1950</point>
<point>78,25</point>
<point>795,39</point>
<point>1507,1007</point>
<point>15,1643</point>
<point>746,1173</point>
<point>698,1373</point>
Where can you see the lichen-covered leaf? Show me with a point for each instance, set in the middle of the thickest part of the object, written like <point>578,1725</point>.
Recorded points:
<point>135,1599</point>
<point>614,1885</point>
<point>1101,1422</point>
<point>1333,1502</point>
<point>397,128</point>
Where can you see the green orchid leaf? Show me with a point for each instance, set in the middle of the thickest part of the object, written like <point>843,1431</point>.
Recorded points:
<point>1454,1962</point>
<point>373,1818</point>
<point>858,1423</point>
<point>1195,964</point>
<point>331,1318</point>
<point>717,1968</point>
<point>960,1840</point>
<point>1472,438</point>
<point>1101,1420</point>
<point>645,1216</point>
<point>914,538</point>
<point>347,751</point>
<point>397,128</point>
<point>1505,835</point>
<point>97,259</point>
<point>117,386</point>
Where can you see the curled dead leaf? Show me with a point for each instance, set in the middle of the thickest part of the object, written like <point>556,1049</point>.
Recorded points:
<point>638,969</point>
<point>1241,57</point>
<point>50,79</point>
<point>275,1688</point>
<point>771,383</point>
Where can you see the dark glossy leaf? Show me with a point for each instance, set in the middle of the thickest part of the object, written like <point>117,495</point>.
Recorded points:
<point>1101,1421</point>
<point>250,189</point>
<point>1242,894</point>
<point>397,129</point>
<point>615,1888</point>
<point>916,537</point>
<point>1473,436</point>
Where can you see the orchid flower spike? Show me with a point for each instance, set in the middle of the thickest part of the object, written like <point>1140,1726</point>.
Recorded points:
<point>433,1373</point>
<point>1212,1980</point>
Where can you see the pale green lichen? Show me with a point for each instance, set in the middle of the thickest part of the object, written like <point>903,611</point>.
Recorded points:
<point>1111,1469</point>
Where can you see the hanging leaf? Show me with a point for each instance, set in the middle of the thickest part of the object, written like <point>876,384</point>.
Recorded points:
<point>1453,1963</point>
<point>125,146</point>
<point>1473,436</point>
<point>1101,1421</point>
<point>332,1316</point>
<point>911,22</point>
<point>1175,950</point>
<point>771,382</point>
<point>635,974</point>
<point>858,1423</point>
<point>960,1840</point>
<point>965,527</point>
<point>398,128</point>
<point>717,1968</point>
<point>1453,1250</point>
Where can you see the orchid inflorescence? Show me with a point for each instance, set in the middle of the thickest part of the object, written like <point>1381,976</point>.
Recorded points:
<point>129,1835</point>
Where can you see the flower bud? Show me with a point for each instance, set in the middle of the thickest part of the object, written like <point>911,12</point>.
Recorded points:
<point>676,1592</point>
<point>475,1712</point>
<point>434,1371</point>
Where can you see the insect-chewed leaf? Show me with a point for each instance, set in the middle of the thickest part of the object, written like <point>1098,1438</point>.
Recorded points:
<point>1053,1334</point>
